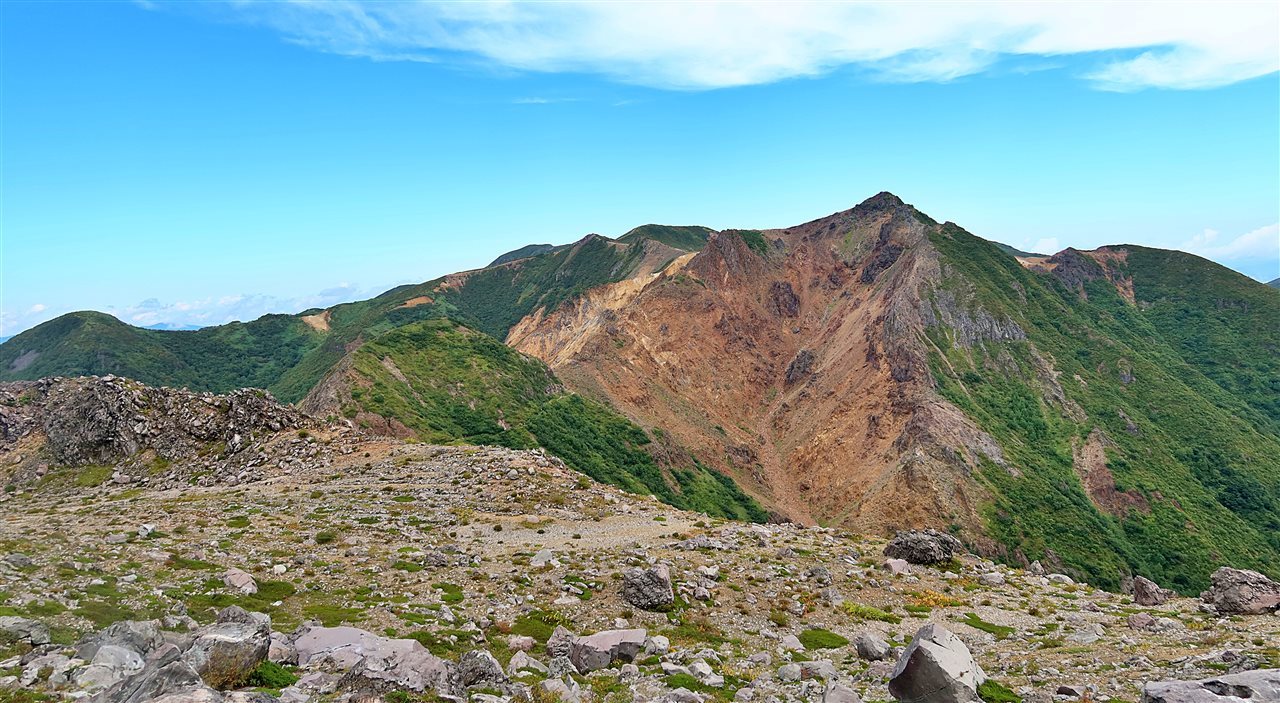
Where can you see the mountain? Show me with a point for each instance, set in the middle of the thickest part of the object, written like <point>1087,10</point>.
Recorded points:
<point>1274,283</point>
<point>1111,413</point>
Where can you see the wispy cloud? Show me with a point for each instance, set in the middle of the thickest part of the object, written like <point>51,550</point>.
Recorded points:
<point>696,46</point>
<point>1262,243</point>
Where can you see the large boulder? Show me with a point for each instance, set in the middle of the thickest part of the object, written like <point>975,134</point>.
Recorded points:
<point>403,665</point>
<point>936,668</point>
<point>923,547</point>
<point>478,668</point>
<point>16,629</point>
<point>141,636</point>
<point>374,662</point>
<point>225,653</point>
<point>164,673</point>
<point>1147,592</point>
<point>111,663</point>
<point>648,589</point>
<point>1255,686</point>
<point>603,648</point>
<point>1241,592</point>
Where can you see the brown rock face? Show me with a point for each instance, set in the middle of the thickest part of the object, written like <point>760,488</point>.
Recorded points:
<point>801,369</point>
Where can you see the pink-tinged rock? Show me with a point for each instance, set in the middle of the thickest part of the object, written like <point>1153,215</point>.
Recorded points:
<point>896,567</point>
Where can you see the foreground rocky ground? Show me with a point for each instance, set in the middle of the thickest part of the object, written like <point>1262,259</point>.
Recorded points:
<point>469,571</point>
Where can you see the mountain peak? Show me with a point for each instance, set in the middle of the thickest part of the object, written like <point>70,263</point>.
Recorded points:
<point>880,201</point>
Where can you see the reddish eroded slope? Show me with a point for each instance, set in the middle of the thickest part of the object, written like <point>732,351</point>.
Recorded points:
<point>793,359</point>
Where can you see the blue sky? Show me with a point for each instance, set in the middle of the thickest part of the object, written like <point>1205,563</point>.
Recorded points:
<point>198,163</point>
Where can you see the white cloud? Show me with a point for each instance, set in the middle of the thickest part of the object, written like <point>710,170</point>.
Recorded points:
<point>37,308</point>
<point>1261,243</point>
<point>706,45</point>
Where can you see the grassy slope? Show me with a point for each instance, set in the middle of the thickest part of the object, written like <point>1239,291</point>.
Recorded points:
<point>1203,459</point>
<point>215,358</point>
<point>689,238</point>
<point>463,385</point>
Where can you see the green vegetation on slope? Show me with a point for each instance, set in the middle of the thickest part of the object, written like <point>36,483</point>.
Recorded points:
<point>451,384</point>
<point>1201,481</point>
<point>216,359</point>
<point>689,238</point>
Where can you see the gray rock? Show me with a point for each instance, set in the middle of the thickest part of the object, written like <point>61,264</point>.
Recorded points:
<point>871,646</point>
<point>839,693</point>
<point>560,642</point>
<point>1147,592</point>
<point>936,668</point>
<point>163,673</point>
<point>401,665</point>
<point>923,547</point>
<point>789,672</point>
<point>111,663</point>
<point>603,648</point>
<point>141,636</point>
<point>480,667</point>
<point>225,653</point>
<point>1258,686</point>
<point>240,580</point>
<point>33,632</point>
<point>1241,592</point>
<point>648,589</point>
<point>522,660</point>
<point>195,694</point>
<point>18,560</point>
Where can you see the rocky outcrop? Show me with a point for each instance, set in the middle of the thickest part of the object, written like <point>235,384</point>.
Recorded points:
<point>604,648</point>
<point>16,629</point>
<point>923,547</point>
<point>225,653</point>
<point>648,589</point>
<point>1241,592</point>
<point>936,668</point>
<point>1258,686</point>
<point>1147,592</point>
<point>101,420</point>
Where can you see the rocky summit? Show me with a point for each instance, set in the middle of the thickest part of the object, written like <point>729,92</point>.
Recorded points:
<point>312,562</point>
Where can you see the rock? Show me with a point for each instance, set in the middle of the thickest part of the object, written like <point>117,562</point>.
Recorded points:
<point>789,672</point>
<point>240,580</point>
<point>225,653</point>
<point>871,646</point>
<point>839,693</point>
<point>197,694</point>
<point>33,632</point>
<point>480,667</point>
<point>542,558</point>
<point>522,660</point>
<point>1060,579</point>
<point>560,642</point>
<point>936,668</point>
<point>603,648</point>
<point>923,547</point>
<point>401,665</point>
<point>18,560</point>
<point>163,673</point>
<point>1072,691</point>
<point>896,567</point>
<point>111,663</point>
<point>1147,592</point>
<point>141,636</point>
<point>520,643</point>
<point>657,645</point>
<point>1241,592</point>
<point>1258,686</point>
<point>791,643</point>
<point>991,578</point>
<point>1140,621</point>
<point>648,589</point>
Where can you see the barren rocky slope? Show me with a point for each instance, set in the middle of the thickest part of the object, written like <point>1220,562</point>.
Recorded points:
<point>477,556</point>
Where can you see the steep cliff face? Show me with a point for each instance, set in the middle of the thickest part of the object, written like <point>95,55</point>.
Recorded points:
<point>791,359</point>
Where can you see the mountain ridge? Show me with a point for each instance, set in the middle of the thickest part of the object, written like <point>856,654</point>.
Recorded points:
<point>872,368</point>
